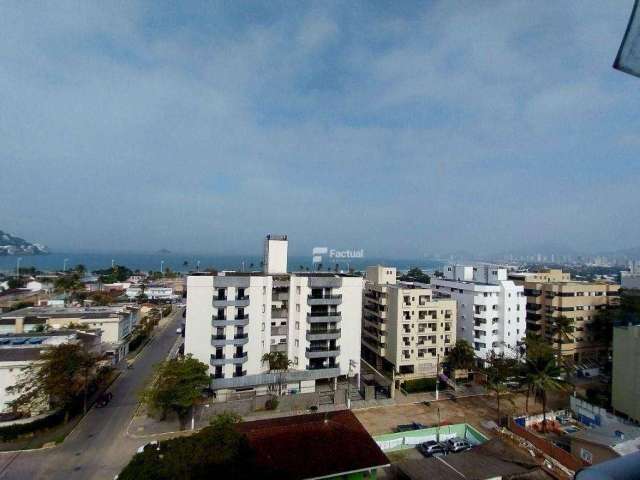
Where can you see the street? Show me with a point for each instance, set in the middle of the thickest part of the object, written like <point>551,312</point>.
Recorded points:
<point>98,448</point>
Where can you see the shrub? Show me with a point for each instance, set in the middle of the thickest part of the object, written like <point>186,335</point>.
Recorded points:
<point>11,432</point>
<point>271,404</point>
<point>420,385</point>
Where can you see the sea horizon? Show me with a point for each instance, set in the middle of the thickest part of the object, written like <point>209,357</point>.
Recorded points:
<point>175,261</point>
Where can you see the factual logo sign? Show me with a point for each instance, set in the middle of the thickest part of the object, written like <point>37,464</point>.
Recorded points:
<point>320,252</point>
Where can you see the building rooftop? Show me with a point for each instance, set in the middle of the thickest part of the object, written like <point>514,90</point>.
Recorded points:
<point>621,437</point>
<point>314,446</point>
<point>16,347</point>
<point>53,311</point>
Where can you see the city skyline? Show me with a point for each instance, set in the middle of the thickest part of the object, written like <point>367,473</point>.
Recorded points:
<point>144,126</point>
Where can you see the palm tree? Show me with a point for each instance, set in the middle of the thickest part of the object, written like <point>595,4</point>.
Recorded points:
<point>278,363</point>
<point>535,347</point>
<point>562,331</point>
<point>544,376</point>
<point>500,369</point>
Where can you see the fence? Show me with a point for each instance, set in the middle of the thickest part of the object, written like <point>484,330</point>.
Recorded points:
<point>401,440</point>
<point>544,445</point>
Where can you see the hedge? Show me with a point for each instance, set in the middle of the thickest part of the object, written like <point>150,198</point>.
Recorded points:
<point>420,385</point>
<point>11,432</point>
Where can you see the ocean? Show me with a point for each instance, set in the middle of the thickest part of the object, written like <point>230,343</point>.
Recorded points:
<point>176,262</point>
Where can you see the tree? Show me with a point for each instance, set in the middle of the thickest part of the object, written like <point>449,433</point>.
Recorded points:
<point>81,269</point>
<point>562,331</point>
<point>16,282</point>
<point>544,375</point>
<point>69,284</point>
<point>500,370</point>
<point>278,363</point>
<point>415,274</point>
<point>62,375</point>
<point>178,386</point>
<point>535,347</point>
<point>461,356</point>
<point>219,448</point>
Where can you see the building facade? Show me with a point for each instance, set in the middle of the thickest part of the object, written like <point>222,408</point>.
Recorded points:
<point>116,323</point>
<point>557,296</point>
<point>490,308</point>
<point>625,391</point>
<point>234,319</point>
<point>405,328</point>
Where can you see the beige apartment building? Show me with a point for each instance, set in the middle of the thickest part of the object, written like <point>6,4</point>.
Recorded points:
<point>625,391</point>
<point>405,329</point>
<point>552,294</point>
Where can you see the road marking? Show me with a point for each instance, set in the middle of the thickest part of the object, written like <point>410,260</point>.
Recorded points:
<point>450,466</point>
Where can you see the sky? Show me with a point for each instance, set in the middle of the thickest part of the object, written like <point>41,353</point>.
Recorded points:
<point>402,128</point>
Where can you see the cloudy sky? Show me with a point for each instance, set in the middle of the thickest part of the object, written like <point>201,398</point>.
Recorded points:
<point>402,128</point>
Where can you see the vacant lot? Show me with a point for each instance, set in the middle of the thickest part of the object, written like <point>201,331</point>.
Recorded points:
<point>472,410</point>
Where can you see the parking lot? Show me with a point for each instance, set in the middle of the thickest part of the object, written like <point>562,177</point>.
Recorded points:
<point>475,411</point>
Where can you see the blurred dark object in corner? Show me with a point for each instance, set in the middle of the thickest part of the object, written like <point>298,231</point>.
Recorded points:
<point>628,58</point>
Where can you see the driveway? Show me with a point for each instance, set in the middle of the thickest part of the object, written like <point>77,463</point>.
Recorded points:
<point>98,448</point>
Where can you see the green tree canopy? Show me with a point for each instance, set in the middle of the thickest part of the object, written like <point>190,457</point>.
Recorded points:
<point>415,274</point>
<point>461,356</point>
<point>62,375</point>
<point>177,387</point>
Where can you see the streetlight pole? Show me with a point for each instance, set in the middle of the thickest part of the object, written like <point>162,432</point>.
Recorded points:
<point>113,263</point>
<point>64,264</point>
<point>161,267</point>
<point>437,376</point>
<point>18,260</point>
<point>198,266</point>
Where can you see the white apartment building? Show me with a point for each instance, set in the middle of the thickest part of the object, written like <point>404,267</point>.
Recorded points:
<point>406,329</point>
<point>233,319</point>
<point>491,309</point>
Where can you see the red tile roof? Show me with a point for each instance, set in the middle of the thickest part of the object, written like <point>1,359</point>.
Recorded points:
<point>312,446</point>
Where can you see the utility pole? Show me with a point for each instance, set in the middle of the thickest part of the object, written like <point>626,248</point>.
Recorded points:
<point>437,378</point>
<point>64,265</point>
<point>161,267</point>
<point>18,260</point>
<point>438,427</point>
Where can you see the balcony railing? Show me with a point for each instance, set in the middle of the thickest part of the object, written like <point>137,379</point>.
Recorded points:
<point>324,299</point>
<point>323,317</point>
<point>240,355</point>
<point>323,367</point>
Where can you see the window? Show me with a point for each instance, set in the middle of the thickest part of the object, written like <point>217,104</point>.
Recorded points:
<point>297,307</point>
<point>297,325</point>
<point>263,326</point>
<point>297,343</point>
<point>264,309</point>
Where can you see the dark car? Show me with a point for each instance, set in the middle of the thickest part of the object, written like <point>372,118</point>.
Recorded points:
<point>432,449</point>
<point>104,399</point>
<point>409,427</point>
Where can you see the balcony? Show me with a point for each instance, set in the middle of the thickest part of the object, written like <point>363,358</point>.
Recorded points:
<point>324,300</point>
<point>218,375</point>
<point>279,313</point>
<point>323,334</point>
<point>335,367</point>
<point>324,317</point>
<point>322,352</point>
<point>221,340</point>
<point>221,302</point>
<point>237,359</point>
<point>278,347</point>
<point>279,330</point>
<point>280,296</point>
<point>238,321</point>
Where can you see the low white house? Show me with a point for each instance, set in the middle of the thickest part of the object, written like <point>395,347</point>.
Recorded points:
<point>18,351</point>
<point>152,292</point>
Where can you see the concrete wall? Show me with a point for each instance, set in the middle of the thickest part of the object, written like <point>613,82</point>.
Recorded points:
<point>626,371</point>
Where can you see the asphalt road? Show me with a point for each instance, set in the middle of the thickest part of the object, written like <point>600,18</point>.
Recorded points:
<point>98,448</point>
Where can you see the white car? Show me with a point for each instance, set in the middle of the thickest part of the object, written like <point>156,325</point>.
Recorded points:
<point>179,330</point>
<point>153,442</point>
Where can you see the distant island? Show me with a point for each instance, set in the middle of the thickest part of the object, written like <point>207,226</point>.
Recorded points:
<point>10,245</point>
<point>163,251</point>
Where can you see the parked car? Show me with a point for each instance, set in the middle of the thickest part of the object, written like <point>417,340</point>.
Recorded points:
<point>152,444</point>
<point>104,399</point>
<point>455,445</point>
<point>432,449</point>
<point>409,427</point>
